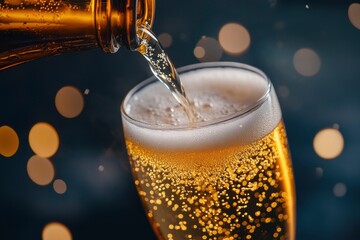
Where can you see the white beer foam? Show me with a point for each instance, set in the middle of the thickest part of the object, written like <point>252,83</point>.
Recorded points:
<point>216,94</point>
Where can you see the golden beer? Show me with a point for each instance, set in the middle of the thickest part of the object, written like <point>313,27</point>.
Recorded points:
<point>224,177</point>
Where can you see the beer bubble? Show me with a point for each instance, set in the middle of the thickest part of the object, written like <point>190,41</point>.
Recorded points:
<point>354,14</point>
<point>69,101</point>
<point>169,109</point>
<point>9,141</point>
<point>328,143</point>
<point>40,170</point>
<point>307,62</point>
<point>207,105</point>
<point>56,230</point>
<point>234,38</point>
<point>208,196</point>
<point>339,189</point>
<point>44,139</point>
<point>195,102</point>
<point>59,186</point>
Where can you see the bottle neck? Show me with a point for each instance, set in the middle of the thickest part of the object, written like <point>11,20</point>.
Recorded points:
<point>117,21</point>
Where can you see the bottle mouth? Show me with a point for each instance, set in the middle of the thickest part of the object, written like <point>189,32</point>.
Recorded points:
<point>138,13</point>
<point>118,21</point>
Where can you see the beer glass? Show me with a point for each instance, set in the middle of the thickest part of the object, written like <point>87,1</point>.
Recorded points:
<point>228,175</point>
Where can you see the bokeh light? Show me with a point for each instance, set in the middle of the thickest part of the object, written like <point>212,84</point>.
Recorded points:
<point>279,25</point>
<point>319,172</point>
<point>273,3</point>
<point>59,186</point>
<point>199,52</point>
<point>69,102</point>
<point>283,91</point>
<point>339,189</point>
<point>165,39</point>
<point>56,231</point>
<point>328,143</point>
<point>9,141</point>
<point>307,62</point>
<point>40,170</point>
<point>44,139</point>
<point>354,14</point>
<point>234,38</point>
<point>101,168</point>
<point>208,50</point>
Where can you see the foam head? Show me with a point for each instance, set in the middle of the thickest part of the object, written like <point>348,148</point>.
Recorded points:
<point>232,106</point>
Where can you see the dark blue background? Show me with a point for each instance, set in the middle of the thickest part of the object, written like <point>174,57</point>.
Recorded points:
<point>104,205</point>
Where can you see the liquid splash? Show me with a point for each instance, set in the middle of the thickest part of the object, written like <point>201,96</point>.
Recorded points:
<point>163,69</point>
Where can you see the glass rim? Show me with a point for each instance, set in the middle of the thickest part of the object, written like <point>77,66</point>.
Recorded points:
<point>192,67</point>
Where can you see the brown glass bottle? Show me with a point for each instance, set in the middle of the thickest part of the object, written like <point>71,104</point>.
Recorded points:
<point>31,29</point>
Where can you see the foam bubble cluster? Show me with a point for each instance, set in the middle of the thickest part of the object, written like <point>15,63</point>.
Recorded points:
<point>212,94</point>
<point>215,94</point>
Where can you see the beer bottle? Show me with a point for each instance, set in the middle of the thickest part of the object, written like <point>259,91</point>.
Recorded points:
<point>31,29</point>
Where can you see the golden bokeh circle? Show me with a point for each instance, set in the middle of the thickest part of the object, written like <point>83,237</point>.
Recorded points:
<point>44,139</point>
<point>234,38</point>
<point>40,170</point>
<point>9,141</point>
<point>69,102</point>
<point>328,143</point>
<point>307,62</point>
<point>56,231</point>
<point>354,14</point>
<point>199,52</point>
<point>59,186</point>
<point>208,50</point>
<point>165,39</point>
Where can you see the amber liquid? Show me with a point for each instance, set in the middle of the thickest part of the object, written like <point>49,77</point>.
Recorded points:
<point>243,192</point>
<point>37,28</point>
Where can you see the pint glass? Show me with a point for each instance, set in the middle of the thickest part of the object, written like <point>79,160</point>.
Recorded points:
<point>228,175</point>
